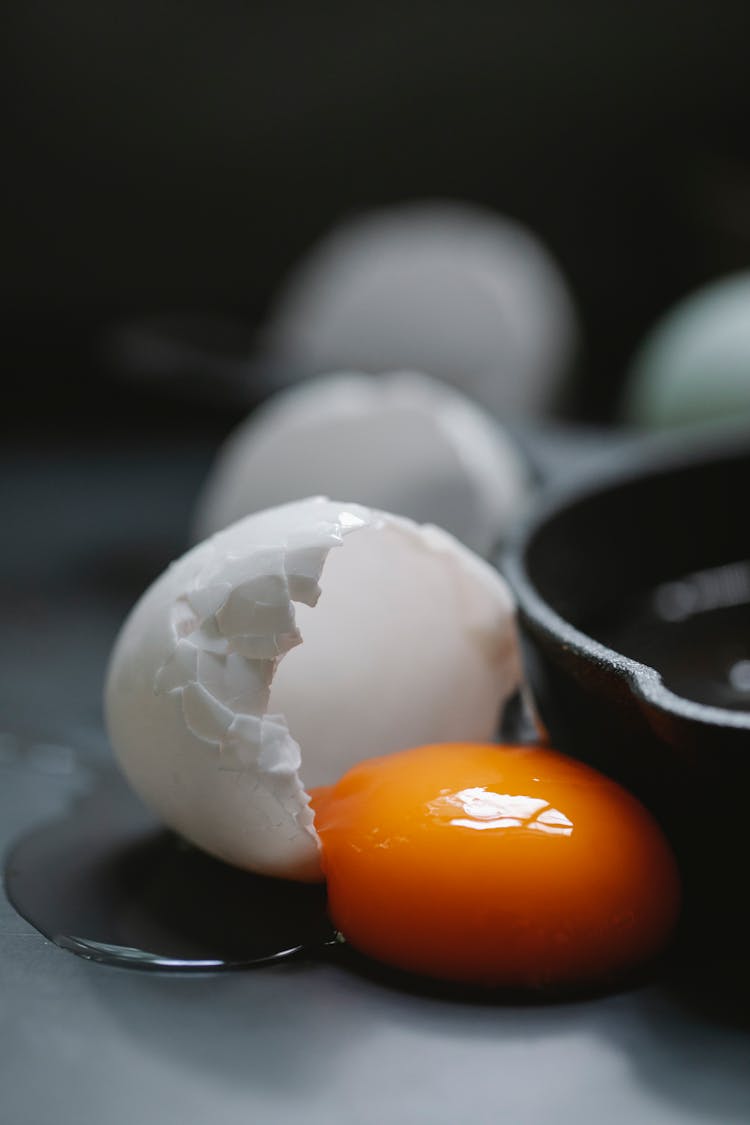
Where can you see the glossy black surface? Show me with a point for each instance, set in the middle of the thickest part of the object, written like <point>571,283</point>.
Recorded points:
<point>693,630</point>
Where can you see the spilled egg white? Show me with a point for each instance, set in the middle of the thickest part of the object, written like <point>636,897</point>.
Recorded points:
<point>401,441</point>
<point>288,647</point>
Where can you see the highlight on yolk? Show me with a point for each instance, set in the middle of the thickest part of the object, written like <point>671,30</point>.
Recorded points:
<point>503,866</point>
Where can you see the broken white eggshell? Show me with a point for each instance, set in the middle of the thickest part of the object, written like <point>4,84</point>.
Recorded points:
<point>219,724</point>
<point>403,442</point>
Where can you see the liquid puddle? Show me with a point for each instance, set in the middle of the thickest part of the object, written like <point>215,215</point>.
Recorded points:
<point>108,884</point>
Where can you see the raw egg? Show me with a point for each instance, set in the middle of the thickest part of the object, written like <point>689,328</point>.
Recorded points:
<point>498,866</point>
<point>308,638</point>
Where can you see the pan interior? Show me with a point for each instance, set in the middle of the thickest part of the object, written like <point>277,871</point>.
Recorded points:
<point>657,568</point>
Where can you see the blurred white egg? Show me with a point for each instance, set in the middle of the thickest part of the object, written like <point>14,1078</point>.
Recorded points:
<point>402,442</point>
<point>219,720</point>
<point>693,368</point>
<point>447,288</point>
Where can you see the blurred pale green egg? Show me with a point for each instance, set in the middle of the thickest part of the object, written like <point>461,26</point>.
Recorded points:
<point>693,368</point>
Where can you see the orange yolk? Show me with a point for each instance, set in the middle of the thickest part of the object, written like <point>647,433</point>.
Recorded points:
<point>505,866</point>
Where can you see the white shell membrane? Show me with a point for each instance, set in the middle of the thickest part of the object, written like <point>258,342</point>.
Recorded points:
<point>402,442</point>
<point>413,641</point>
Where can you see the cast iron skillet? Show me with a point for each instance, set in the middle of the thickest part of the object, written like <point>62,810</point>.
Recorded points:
<point>634,611</point>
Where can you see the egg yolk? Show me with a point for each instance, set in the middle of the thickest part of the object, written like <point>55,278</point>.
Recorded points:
<point>502,866</point>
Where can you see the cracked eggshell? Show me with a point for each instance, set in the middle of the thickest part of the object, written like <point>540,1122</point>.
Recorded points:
<point>403,442</point>
<point>218,719</point>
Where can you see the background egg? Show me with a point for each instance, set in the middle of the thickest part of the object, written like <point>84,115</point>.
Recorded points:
<point>451,289</point>
<point>694,365</point>
<point>402,442</point>
<point>219,724</point>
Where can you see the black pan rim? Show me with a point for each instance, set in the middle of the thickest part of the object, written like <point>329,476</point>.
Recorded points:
<point>654,456</point>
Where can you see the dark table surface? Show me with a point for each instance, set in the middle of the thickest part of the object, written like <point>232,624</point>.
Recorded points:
<point>313,1041</point>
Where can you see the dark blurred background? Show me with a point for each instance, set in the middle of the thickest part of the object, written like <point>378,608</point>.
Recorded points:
<point>177,157</point>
